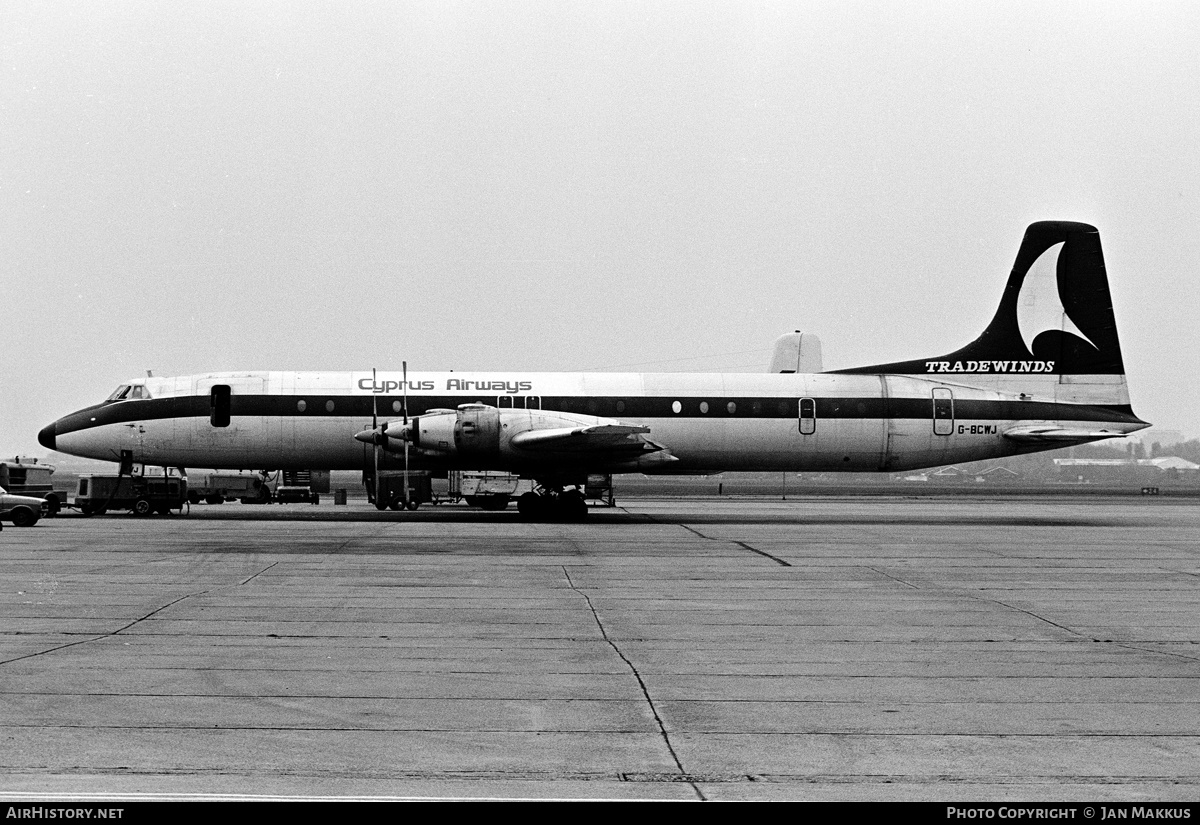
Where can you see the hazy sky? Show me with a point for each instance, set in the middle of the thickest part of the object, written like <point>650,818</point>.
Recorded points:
<point>187,187</point>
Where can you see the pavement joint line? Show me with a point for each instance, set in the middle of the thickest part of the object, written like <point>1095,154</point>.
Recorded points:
<point>1131,646</point>
<point>741,544</point>
<point>102,635</point>
<point>259,573</point>
<point>896,579</point>
<point>1031,614</point>
<point>662,729</point>
<point>763,553</point>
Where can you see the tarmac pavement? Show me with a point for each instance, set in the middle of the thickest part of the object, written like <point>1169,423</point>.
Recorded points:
<point>949,649</point>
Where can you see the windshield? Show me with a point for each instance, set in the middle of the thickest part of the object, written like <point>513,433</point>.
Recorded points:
<point>119,393</point>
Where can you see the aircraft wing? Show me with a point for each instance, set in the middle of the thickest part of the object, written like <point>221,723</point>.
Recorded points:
<point>1049,433</point>
<point>598,438</point>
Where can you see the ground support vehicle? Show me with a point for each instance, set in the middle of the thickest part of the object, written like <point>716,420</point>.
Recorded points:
<point>22,511</point>
<point>217,488</point>
<point>599,489</point>
<point>26,477</point>
<point>292,495</point>
<point>390,490</point>
<point>491,490</point>
<point>98,493</point>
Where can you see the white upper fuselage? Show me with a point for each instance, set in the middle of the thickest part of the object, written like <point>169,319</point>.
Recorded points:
<point>707,422</point>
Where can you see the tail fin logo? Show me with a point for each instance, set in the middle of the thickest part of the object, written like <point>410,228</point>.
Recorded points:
<point>1057,288</point>
<point>1039,306</point>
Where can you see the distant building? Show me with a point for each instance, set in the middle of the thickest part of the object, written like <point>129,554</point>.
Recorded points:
<point>1126,469</point>
<point>1000,475</point>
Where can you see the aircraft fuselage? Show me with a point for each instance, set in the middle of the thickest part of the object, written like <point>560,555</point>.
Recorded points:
<point>708,423</point>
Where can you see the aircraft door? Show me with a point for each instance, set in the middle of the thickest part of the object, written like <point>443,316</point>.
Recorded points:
<point>222,426</point>
<point>808,416</point>
<point>943,411</point>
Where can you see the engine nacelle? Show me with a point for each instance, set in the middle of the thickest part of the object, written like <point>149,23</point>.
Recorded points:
<point>472,429</point>
<point>482,432</point>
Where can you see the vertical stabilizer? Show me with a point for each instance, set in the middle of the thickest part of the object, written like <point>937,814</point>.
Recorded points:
<point>1054,334</point>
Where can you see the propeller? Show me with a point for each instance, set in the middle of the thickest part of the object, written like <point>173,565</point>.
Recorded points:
<point>404,368</point>
<point>378,436</point>
<point>375,440</point>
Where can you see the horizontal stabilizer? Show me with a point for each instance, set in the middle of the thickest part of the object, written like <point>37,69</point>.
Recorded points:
<point>1048,433</point>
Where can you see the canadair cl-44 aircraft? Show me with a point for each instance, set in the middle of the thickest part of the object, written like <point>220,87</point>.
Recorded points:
<point>1047,372</point>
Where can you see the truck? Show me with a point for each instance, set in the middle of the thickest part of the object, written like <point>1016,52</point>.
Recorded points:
<point>97,493</point>
<point>489,490</point>
<point>24,476</point>
<point>493,490</point>
<point>218,487</point>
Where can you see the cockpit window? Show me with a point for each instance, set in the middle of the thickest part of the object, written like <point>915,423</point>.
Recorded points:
<point>119,394</point>
<point>139,392</point>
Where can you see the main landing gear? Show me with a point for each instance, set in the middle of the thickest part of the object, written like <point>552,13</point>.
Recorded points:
<point>553,504</point>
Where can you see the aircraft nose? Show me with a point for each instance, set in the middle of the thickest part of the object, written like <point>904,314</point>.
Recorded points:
<point>47,435</point>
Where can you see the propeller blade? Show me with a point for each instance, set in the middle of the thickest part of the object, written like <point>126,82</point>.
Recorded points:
<point>404,367</point>
<point>375,433</point>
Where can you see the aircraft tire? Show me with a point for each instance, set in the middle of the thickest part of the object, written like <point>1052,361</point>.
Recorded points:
<point>142,507</point>
<point>535,507</point>
<point>572,506</point>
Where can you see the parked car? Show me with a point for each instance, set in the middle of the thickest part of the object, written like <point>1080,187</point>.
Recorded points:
<point>22,511</point>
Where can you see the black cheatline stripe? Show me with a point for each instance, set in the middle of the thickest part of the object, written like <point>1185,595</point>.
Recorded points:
<point>746,408</point>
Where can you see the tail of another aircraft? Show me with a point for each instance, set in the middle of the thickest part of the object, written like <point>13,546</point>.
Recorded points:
<point>1054,334</point>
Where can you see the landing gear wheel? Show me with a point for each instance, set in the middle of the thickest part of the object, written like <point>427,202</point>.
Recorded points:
<point>572,506</point>
<point>142,507</point>
<point>531,505</point>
